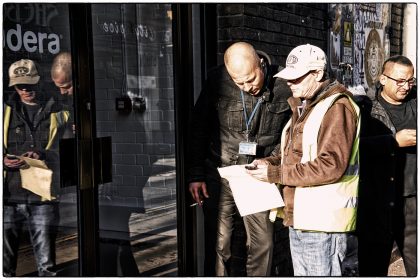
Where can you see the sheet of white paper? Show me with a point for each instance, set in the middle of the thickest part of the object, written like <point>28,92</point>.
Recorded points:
<point>251,195</point>
<point>36,177</point>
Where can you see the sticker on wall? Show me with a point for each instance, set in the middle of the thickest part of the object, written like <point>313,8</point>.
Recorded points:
<point>335,36</point>
<point>348,41</point>
<point>374,57</point>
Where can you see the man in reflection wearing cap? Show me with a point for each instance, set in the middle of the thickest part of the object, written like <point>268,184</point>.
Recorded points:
<point>32,126</point>
<point>318,165</point>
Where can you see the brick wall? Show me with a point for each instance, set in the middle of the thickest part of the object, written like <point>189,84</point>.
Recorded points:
<point>273,28</point>
<point>397,18</point>
<point>277,28</point>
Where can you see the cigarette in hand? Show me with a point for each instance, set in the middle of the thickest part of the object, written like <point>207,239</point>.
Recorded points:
<point>195,204</point>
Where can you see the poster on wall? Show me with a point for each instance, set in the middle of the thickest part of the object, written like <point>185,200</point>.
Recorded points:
<point>374,57</point>
<point>347,43</point>
<point>370,21</point>
<point>358,39</point>
<point>334,50</point>
<point>341,42</point>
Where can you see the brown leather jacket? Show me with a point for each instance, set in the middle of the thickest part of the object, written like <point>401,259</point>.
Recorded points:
<point>336,136</point>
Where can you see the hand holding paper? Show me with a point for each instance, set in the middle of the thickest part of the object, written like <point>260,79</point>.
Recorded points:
<point>260,173</point>
<point>251,195</point>
<point>12,161</point>
<point>260,170</point>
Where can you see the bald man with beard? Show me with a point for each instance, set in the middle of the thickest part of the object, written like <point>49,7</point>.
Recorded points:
<point>238,117</point>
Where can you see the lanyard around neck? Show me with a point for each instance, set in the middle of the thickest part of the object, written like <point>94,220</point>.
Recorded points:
<point>248,121</point>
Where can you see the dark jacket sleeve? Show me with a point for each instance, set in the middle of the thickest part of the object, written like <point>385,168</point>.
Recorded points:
<point>376,135</point>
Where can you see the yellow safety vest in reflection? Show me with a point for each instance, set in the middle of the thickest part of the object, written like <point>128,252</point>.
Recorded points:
<point>57,120</point>
<point>332,207</point>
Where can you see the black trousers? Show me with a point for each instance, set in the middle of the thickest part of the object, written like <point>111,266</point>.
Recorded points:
<point>40,219</point>
<point>375,247</point>
<point>259,237</point>
<point>210,212</point>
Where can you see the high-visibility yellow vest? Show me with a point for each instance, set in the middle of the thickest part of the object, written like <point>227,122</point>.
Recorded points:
<point>331,207</point>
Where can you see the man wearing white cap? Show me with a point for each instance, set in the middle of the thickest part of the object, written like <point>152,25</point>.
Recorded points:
<point>32,127</point>
<point>318,165</point>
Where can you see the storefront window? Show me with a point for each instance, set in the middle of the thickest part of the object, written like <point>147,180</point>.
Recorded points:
<point>135,107</point>
<point>134,101</point>
<point>39,222</point>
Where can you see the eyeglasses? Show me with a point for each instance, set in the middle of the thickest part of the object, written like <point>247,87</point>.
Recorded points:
<point>402,82</point>
<point>298,80</point>
<point>26,87</point>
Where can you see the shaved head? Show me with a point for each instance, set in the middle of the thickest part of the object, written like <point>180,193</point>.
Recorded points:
<point>61,73</point>
<point>244,67</point>
<point>241,56</point>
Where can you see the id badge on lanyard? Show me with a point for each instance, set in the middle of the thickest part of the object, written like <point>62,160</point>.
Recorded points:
<point>246,147</point>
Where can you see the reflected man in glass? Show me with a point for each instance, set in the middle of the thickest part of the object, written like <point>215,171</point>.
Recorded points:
<point>33,123</point>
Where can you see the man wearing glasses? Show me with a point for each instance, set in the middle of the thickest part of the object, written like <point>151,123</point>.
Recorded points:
<point>388,191</point>
<point>33,123</point>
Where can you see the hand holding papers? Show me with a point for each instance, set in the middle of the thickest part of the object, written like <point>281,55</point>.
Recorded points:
<point>259,171</point>
<point>37,177</point>
<point>251,195</point>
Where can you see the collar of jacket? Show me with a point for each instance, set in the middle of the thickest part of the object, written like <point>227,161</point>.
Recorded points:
<point>327,88</point>
<point>48,106</point>
<point>14,100</point>
<point>267,91</point>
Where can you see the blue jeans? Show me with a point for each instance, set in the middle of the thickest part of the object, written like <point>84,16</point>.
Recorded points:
<point>317,253</point>
<point>40,219</point>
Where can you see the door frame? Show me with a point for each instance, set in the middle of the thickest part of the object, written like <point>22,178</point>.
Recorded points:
<point>80,18</point>
<point>184,102</point>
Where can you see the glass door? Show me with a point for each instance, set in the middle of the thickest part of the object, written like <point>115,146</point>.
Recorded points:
<point>40,224</point>
<point>134,95</point>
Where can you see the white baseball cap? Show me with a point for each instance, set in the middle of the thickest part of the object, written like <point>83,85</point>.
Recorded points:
<point>301,60</point>
<point>23,72</point>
